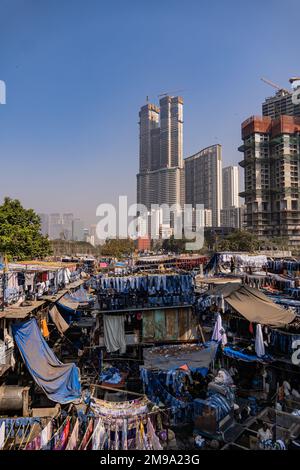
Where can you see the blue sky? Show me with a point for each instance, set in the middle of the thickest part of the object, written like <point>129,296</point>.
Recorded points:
<point>77,72</point>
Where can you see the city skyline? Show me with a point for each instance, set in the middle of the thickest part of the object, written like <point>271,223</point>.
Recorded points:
<point>62,114</point>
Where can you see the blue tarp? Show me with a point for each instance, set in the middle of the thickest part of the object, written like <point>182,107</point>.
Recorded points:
<point>59,381</point>
<point>241,356</point>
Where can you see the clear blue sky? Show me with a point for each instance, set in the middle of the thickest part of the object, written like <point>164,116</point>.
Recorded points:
<point>77,72</point>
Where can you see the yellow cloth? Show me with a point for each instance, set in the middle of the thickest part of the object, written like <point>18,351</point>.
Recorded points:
<point>44,328</point>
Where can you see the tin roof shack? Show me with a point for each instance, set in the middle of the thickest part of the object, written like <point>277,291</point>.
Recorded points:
<point>8,317</point>
<point>143,309</point>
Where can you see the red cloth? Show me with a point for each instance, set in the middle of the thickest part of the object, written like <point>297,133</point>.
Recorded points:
<point>87,435</point>
<point>62,441</point>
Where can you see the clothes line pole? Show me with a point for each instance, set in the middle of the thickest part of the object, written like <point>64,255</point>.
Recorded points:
<point>118,390</point>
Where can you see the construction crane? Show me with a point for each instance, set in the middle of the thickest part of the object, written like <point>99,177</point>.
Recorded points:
<point>169,93</point>
<point>272,84</point>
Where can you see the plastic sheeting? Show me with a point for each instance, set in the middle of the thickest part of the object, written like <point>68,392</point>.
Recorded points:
<point>242,356</point>
<point>189,354</point>
<point>253,305</point>
<point>59,381</point>
<point>58,320</point>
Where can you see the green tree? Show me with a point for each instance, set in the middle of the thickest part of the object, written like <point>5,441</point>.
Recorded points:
<point>117,247</point>
<point>239,240</point>
<point>20,232</point>
<point>174,245</point>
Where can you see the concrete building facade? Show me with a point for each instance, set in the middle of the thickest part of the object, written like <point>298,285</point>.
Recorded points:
<point>281,104</point>
<point>161,174</point>
<point>203,181</point>
<point>271,150</point>
<point>230,186</point>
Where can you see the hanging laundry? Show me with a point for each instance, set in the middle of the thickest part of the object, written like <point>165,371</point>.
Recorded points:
<point>29,281</point>
<point>35,444</point>
<point>98,435</point>
<point>124,435</point>
<point>153,438</point>
<point>46,435</point>
<point>219,332</point>
<point>58,320</point>
<point>87,435</point>
<point>72,443</point>
<point>114,333</point>
<point>139,441</point>
<point>63,437</point>
<point>44,328</point>
<point>259,341</point>
<point>116,436</point>
<point>2,434</point>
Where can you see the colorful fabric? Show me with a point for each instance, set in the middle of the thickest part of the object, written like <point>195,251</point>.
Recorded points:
<point>44,328</point>
<point>98,435</point>
<point>72,443</point>
<point>63,437</point>
<point>124,436</point>
<point>153,439</point>
<point>2,434</point>
<point>59,381</point>
<point>86,438</point>
<point>46,435</point>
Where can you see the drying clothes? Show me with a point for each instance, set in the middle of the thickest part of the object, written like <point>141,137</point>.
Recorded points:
<point>44,328</point>
<point>124,436</point>
<point>114,333</point>
<point>98,436</point>
<point>153,439</point>
<point>74,437</point>
<point>2,434</point>
<point>117,436</point>
<point>21,279</point>
<point>87,435</point>
<point>35,444</point>
<point>259,341</point>
<point>58,320</point>
<point>140,436</point>
<point>29,280</point>
<point>63,438</point>
<point>46,435</point>
<point>219,332</point>
<point>2,353</point>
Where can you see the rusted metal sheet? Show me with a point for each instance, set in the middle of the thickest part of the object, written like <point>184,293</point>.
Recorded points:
<point>160,324</point>
<point>191,332</point>
<point>148,325</point>
<point>183,323</point>
<point>171,324</point>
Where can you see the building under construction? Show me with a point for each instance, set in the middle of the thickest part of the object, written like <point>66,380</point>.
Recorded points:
<point>271,148</point>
